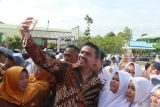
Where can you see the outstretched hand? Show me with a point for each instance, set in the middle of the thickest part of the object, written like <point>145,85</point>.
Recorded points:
<point>148,72</point>
<point>125,59</point>
<point>27,26</point>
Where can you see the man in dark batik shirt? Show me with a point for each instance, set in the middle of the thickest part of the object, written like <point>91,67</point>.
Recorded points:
<point>76,86</point>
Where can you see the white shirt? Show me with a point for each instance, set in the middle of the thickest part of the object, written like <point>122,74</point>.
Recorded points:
<point>142,92</point>
<point>109,99</point>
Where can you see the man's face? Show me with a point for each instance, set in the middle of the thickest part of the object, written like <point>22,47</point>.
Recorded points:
<point>155,98</point>
<point>97,67</point>
<point>87,57</point>
<point>114,84</point>
<point>70,55</point>
<point>130,92</point>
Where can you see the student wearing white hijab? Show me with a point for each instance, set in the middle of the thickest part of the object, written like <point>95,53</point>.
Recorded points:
<point>105,76</point>
<point>138,93</point>
<point>155,96</point>
<point>116,95</point>
<point>134,69</point>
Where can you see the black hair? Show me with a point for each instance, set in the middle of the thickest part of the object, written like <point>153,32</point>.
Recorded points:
<point>90,44</point>
<point>113,58</point>
<point>106,63</point>
<point>73,46</point>
<point>116,73</point>
<point>1,53</point>
<point>102,56</point>
<point>132,64</point>
<point>147,66</point>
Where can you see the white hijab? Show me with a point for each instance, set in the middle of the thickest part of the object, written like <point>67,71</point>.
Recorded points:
<point>155,88</point>
<point>105,76</point>
<point>118,99</point>
<point>142,92</point>
<point>138,69</point>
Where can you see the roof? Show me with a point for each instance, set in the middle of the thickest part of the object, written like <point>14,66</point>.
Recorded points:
<point>139,45</point>
<point>43,32</point>
<point>148,37</point>
<point>9,26</point>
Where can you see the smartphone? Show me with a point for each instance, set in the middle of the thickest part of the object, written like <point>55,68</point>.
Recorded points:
<point>128,53</point>
<point>34,22</point>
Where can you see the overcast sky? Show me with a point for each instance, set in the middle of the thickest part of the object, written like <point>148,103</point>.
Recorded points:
<point>142,16</point>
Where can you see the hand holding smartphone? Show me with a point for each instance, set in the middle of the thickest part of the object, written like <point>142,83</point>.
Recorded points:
<point>30,22</point>
<point>125,58</point>
<point>33,23</point>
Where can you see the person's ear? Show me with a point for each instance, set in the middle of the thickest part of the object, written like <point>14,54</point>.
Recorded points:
<point>95,61</point>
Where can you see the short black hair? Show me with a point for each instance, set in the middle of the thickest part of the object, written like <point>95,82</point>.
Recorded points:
<point>147,66</point>
<point>1,53</point>
<point>106,63</point>
<point>102,56</point>
<point>113,58</point>
<point>98,52</point>
<point>73,46</point>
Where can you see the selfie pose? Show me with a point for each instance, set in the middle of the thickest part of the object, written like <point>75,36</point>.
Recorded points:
<point>75,86</point>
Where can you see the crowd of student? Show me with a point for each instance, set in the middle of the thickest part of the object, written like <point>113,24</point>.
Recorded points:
<point>82,78</point>
<point>134,90</point>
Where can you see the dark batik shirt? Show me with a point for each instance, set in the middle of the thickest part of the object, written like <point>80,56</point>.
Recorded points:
<point>71,91</point>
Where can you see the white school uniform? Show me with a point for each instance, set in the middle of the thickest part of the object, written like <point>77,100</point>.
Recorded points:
<point>118,99</point>
<point>142,92</point>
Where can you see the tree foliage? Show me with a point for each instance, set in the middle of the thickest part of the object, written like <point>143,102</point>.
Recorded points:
<point>157,46</point>
<point>111,34</point>
<point>89,21</point>
<point>13,42</point>
<point>1,33</point>
<point>52,45</point>
<point>109,44</point>
<point>128,33</point>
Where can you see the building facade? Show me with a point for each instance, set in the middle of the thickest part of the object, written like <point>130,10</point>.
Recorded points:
<point>42,35</point>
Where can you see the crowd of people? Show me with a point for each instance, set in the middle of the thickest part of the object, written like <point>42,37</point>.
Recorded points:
<point>79,78</point>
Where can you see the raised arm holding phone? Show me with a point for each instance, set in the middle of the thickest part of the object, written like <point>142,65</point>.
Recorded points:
<point>124,60</point>
<point>75,87</point>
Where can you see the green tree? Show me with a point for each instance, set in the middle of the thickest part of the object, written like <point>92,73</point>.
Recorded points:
<point>1,33</point>
<point>121,34</point>
<point>13,42</point>
<point>128,33</point>
<point>52,45</point>
<point>89,21</point>
<point>109,44</point>
<point>157,46</point>
<point>111,34</point>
